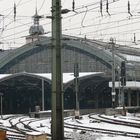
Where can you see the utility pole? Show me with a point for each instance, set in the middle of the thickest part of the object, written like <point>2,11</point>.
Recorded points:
<point>57,122</point>
<point>76,75</point>
<point>123,81</point>
<point>113,71</point>
<point>1,105</point>
<point>119,94</point>
<point>43,94</point>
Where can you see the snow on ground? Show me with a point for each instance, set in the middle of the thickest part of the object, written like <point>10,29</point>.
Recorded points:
<point>42,125</point>
<point>132,119</point>
<point>85,121</point>
<point>97,136</point>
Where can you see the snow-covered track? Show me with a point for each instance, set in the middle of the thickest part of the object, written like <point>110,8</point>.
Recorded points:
<point>16,137</point>
<point>100,130</point>
<point>15,125</point>
<point>115,121</point>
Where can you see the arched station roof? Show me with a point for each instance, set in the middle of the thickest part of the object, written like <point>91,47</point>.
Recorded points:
<point>92,47</point>
<point>101,50</point>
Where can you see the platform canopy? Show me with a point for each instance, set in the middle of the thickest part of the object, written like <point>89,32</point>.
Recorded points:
<point>67,77</point>
<point>129,85</point>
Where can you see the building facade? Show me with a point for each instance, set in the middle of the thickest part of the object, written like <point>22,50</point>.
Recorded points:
<point>23,92</point>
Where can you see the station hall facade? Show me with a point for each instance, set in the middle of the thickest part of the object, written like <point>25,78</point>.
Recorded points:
<point>23,70</point>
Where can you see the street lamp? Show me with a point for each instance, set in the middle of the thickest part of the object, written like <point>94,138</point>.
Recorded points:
<point>1,110</point>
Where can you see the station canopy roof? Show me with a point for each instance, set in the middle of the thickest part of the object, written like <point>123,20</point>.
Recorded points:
<point>129,84</point>
<point>67,77</point>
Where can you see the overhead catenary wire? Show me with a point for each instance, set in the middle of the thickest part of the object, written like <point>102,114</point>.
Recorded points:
<point>11,8</point>
<point>82,22</point>
<point>17,4</point>
<point>104,23</point>
<point>89,9</point>
<point>25,2</point>
<point>93,25</point>
<point>75,8</point>
<point>85,11</point>
<point>82,10</point>
<point>14,9</point>
<point>137,4</point>
<point>122,33</point>
<point>95,31</point>
<point>28,24</point>
<point>64,18</point>
<point>41,6</point>
<point>19,32</point>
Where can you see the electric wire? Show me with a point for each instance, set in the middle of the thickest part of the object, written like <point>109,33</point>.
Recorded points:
<point>11,11</point>
<point>103,23</point>
<point>19,32</point>
<point>85,12</point>
<point>103,29</point>
<point>17,5</point>
<point>95,32</point>
<point>41,6</point>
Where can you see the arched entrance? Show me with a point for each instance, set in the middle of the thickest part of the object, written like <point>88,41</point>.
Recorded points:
<point>94,92</point>
<point>23,92</point>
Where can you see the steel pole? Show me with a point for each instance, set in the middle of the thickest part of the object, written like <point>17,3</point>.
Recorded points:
<point>77,99</point>
<point>113,72</point>
<point>1,106</point>
<point>76,75</point>
<point>122,94</point>
<point>42,94</point>
<point>57,122</point>
<point>119,90</point>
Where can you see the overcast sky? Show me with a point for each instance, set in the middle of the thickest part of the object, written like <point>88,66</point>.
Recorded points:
<point>87,21</point>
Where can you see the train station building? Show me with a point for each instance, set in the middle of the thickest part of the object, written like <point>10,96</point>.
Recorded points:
<point>25,72</point>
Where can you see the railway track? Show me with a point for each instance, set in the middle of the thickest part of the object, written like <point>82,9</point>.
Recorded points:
<point>16,137</point>
<point>80,126</point>
<point>15,132</point>
<point>115,121</point>
<point>25,122</point>
<point>12,133</point>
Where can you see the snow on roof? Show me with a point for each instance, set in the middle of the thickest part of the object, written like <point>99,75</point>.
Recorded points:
<point>131,57</point>
<point>67,77</point>
<point>129,84</point>
<point>4,75</point>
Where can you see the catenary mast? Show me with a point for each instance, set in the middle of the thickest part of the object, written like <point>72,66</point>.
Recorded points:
<point>57,127</point>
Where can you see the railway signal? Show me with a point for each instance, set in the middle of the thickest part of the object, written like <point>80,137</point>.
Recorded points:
<point>123,74</point>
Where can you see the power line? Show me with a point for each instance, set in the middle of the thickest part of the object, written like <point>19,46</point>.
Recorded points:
<point>20,32</point>
<point>110,22</point>
<point>41,5</point>
<point>18,4</point>
<point>84,10</point>
<point>25,2</point>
